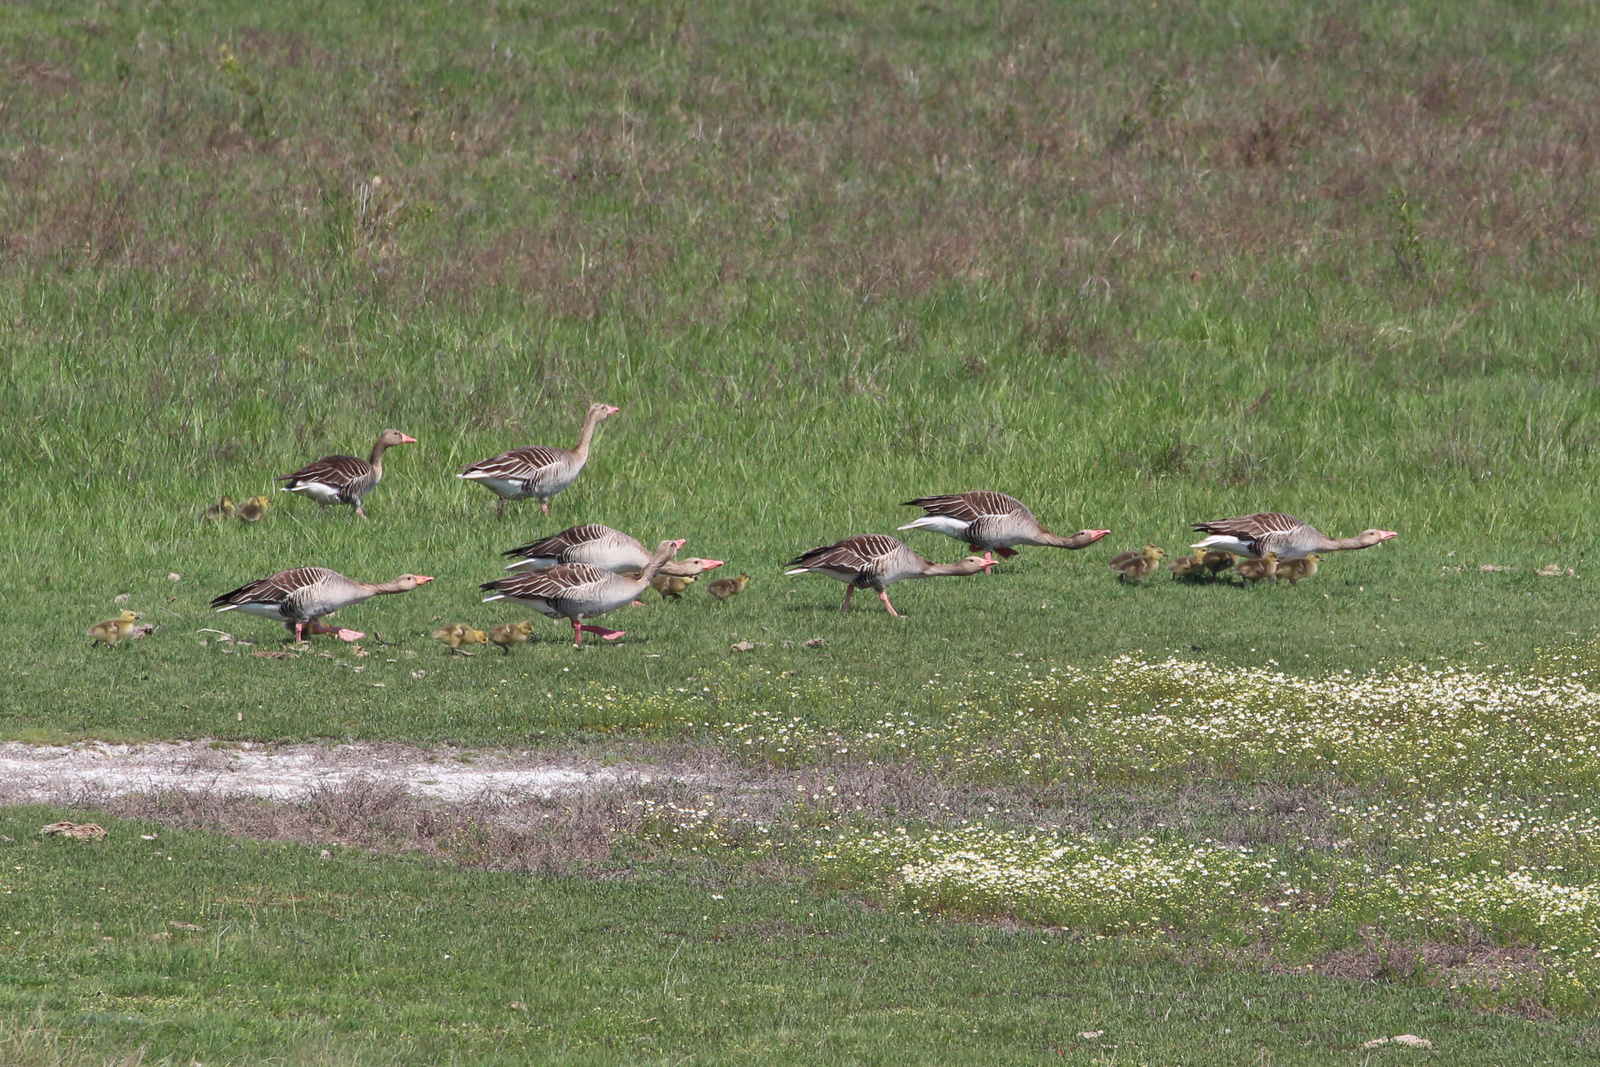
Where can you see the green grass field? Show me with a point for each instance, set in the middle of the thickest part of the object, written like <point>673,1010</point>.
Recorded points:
<point>1137,267</point>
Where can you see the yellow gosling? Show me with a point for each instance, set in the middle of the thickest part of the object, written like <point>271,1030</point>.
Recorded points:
<point>1296,569</point>
<point>457,634</point>
<point>221,511</point>
<point>256,509</point>
<point>670,587</point>
<point>510,633</point>
<point>1135,567</point>
<point>1216,561</point>
<point>723,588</point>
<point>1186,566</point>
<point>114,630</point>
<point>1255,570</point>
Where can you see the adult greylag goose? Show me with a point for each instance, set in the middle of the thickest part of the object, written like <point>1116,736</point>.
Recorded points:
<point>578,591</point>
<point>1135,567</point>
<point>1255,570</point>
<point>1254,536</point>
<point>344,479</point>
<point>991,522</point>
<point>876,561</point>
<point>537,471</point>
<point>302,596</point>
<point>111,631</point>
<point>510,633</point>
<point>600,546</point>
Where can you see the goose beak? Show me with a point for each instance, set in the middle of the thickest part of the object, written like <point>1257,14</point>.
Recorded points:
<point>712,564</point>
<point>1095,535</point>
<point>1384,535</point>
<point>611,410</point>
<point>423,579</point>
<point>407,439</point>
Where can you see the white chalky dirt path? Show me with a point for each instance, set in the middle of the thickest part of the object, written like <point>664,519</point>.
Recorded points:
<point>54,773</point>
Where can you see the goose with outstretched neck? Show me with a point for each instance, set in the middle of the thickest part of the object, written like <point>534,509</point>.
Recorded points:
<point>579,591</point>
<point>1253,536</point>
<point>299,598</point>
<point>599,546</point>
<point>991,522</point>
<point>876,561</point>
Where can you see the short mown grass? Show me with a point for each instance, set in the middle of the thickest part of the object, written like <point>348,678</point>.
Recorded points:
<point>1137,267</point>
<point>198,947</point>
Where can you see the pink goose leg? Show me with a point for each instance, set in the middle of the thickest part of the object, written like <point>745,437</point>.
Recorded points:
<point>605,634</point>
<point>318,627</point>
<point>883,595</point>
<point>849,591</point>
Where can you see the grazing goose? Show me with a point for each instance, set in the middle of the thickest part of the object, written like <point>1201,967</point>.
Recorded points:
<point>1190,566</point>
<point>510,633</point>
<point>255,509</point>
<point>1135,567</point>
<point>600,546</point>
<point>114,630</point>
<point>1254,536</point>
<point>670,586</point>
<point>1296,569</point>
<point>537,471</point>
<point>578,591</point>
<point>457,634</point>
<point>1216,561</point>
<point>301,596</point>
<point>876,561</point>
<point>221,511</point>
<point>723,588</point>
<point>344,479</point>
<point>1254,570</point>
<point>991,522</point>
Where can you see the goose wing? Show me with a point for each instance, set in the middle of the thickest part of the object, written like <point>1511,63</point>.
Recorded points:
<point>854,559</point>
<point>565,582</point>
<point>337,471</point>
<point>287,591</point>
<point>555,545</point>
<point>971,506</point>
<point>519,464</point>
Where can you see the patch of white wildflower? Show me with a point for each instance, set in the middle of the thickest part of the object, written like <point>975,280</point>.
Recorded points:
<point>1475,833</point>
<point>1105,887</point>
<point>1531,906</point>
<point>1414,730</point>
<point>1146,886</point>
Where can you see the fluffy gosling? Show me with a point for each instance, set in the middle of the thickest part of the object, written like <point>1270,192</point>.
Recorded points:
<point>1187,566</point>
<point>723,588</point>
<point>114,630</point>
<point>221,511</point>
<point>457,634</point>
<point>670,587</point>
<point>1254,570</point>
<point>510,633</point>
<point>1296,569</point>
<point>256,509</point>
<point>1216,561</point>
<point>1135,567</point>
